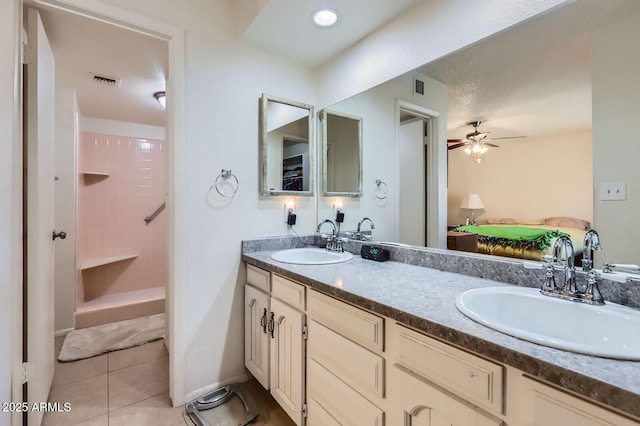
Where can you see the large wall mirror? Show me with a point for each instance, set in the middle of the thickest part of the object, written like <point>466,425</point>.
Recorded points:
<point>341,154</point>
<point>287,147</point>
<point>581,53</point>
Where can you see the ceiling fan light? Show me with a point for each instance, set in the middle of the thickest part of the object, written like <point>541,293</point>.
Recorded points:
<point>467,149</point>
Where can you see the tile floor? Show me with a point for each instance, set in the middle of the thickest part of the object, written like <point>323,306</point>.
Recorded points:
<point>130,387</point>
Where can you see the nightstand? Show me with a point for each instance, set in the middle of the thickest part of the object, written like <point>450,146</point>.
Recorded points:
<point>462,241</point>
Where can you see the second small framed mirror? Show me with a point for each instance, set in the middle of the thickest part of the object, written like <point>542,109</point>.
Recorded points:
<point>341,154</point>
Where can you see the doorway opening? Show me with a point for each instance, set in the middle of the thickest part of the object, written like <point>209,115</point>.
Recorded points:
<point>173,39</point>
<point>416,140</point>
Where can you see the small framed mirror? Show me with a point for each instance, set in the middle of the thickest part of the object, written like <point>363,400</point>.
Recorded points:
<point>341,154</point>
<point>287,135</point>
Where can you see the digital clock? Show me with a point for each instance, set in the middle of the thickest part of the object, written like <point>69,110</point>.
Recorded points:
<point>376,253</point>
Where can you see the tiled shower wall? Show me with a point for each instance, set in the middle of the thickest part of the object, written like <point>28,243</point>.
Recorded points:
<point>111,211</point>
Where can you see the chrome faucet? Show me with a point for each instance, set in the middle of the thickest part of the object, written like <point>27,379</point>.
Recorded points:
<point>363,220</point>
<point>359,235</point>
<point>334,243</point>
<point>591,243</point>
<point>564,242</point>
<point>591,294</point>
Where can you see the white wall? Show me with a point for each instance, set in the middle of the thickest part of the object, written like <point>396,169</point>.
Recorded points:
<point>525,179</point>
<point>121,128</point>
<point>224,82</point>
<point>615,60</point>
<point>10,208</point>
<point>65,206</point>
<point>377,107</point>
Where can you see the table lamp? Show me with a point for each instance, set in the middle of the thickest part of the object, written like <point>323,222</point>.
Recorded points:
<point>472,202</point>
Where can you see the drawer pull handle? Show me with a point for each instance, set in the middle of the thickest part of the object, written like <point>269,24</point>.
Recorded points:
<point>473,374</point>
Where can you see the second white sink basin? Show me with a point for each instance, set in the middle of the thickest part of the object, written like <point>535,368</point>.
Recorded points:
<point>611,331</point>
<point>311,256</point>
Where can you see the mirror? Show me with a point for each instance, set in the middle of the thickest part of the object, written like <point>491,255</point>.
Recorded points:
<point>341,154</point>
<point>287,147</point>
<point>605,44</point>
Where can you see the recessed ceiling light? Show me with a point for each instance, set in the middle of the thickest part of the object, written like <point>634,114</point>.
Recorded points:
<point>324,17</point>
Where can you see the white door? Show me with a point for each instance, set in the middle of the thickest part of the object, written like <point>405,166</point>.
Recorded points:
<point>39,211</point>
<point>411,192</point>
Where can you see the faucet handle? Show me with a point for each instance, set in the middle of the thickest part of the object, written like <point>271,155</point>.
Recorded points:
<point>592,292</point>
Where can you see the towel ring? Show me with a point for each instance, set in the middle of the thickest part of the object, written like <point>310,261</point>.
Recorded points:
<point>223,178</point>
<point>382,190</point>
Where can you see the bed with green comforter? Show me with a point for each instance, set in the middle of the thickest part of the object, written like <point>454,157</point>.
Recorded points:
<point>522,241</point>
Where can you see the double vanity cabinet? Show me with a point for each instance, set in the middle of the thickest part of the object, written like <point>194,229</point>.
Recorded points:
<point>329,362</point>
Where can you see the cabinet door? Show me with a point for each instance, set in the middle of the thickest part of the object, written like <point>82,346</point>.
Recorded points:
<point>416,402</point>
<point>256,337</point>
<point>287,359</point>
<point>546,406</point>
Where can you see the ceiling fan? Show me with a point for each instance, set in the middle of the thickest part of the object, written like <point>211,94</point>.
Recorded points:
<point>476,143</point>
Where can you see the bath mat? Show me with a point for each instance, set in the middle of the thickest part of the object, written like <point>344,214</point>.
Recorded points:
<point>92,341</point>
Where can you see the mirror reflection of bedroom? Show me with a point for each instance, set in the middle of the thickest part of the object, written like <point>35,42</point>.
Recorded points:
<point>531,159</point>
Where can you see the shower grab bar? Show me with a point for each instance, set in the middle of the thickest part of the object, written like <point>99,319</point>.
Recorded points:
<point>148,219</point>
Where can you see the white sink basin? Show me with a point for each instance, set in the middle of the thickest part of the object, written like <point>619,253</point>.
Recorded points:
<point>310,256</point>
<point>611,331</point>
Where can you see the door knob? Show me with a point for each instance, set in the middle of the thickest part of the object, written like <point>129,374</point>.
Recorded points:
<point>62,235</point>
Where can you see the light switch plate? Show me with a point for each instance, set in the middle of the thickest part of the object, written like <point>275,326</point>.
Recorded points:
<point>613,191</point>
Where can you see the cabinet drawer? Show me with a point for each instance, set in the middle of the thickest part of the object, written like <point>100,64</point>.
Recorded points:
<point>473,378</point>
<point>360,326</point>
<point>288,291</point>
<point>358,367</point>
<point>346,406</point>
<point>258,278</point>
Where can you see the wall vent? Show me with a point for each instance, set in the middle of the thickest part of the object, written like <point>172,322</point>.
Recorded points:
<point>418,84</point>
<point>106,80</point>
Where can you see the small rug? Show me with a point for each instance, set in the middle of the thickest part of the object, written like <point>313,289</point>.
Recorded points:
<point>92,341</point>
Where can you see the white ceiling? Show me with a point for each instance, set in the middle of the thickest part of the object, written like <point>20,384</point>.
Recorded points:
<point>83,46</point>
<point>533,79</point>
<point>284,27</point>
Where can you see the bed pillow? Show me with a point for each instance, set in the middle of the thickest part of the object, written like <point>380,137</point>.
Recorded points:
<point>502,221</point>
<point>568,222</point>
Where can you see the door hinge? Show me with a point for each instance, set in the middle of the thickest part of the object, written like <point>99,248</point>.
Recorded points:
<point>304,411</point>
<point>305,332</point>
<point>28,371</point>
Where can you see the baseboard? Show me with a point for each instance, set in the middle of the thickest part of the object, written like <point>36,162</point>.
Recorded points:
<point>64,332</point>
<point>199,392</point>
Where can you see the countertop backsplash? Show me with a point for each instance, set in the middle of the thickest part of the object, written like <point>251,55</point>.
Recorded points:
<point>503,269</point>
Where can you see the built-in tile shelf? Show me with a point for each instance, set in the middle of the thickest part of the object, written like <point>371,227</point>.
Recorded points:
<point>100,261</point>
<point>91,173</point>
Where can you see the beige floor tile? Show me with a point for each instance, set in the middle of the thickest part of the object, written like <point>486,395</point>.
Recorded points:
<point>152,411</point>
<point>69,372</point>
<point>88,399</point>
<point>136,355</point>
<point>102,420</point>
<point>133,384</point>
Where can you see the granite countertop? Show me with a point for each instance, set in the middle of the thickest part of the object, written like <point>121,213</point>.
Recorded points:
<point>424,298</point>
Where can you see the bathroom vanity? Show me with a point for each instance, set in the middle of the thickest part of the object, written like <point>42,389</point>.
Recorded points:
<point>382,343</point>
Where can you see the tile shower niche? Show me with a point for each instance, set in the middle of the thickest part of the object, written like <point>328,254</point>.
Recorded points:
<point>120,257</point>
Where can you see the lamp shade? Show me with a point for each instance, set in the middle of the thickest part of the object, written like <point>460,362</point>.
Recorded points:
<point>472,202</point>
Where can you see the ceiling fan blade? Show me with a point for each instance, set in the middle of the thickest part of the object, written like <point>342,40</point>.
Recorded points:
<point>506,137</point>
<point>455,140</point>
<point>458,145</point>
<point>491,145</point>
